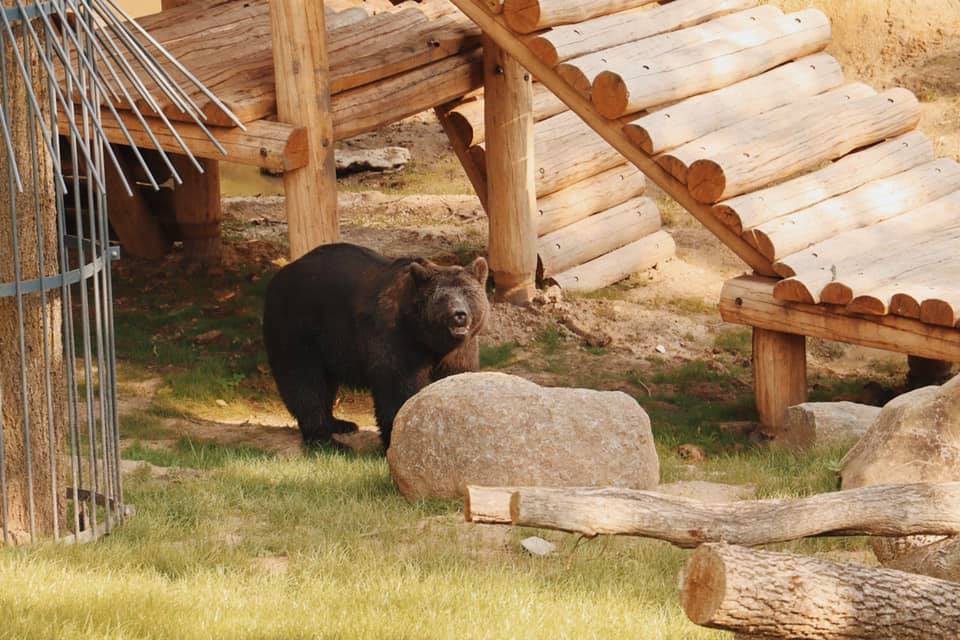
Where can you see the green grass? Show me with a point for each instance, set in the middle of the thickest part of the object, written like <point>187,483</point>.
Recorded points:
<point>192,454</point>
<point>738,342</point>
<point>497,356</point>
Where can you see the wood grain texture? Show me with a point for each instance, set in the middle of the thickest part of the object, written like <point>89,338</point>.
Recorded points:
<point>846,174</point>
<point>779,375</point>
<point>789,596</point>
<point>136,227</point>
<point>527,16</point>
<point>587,197</point>
<point>749,300</point>
<point>631,85</point>
<point>467,117</point>
<point>617,265</point>
<point>772,153</point>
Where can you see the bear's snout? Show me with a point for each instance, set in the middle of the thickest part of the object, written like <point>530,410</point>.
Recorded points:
<point>460,322</point>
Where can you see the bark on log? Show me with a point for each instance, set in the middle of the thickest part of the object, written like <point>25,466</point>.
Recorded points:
<point>527,16</point>
<point>749,300</point>
<point>618,264</point>
<point>587,197</point>
<point>784,152</point>
<point>846,174</point>
<point>868,205</point>
<point>787,596</point>
<point>698,116</point>
<point>882,510</point>
<point>581,72</point>
<point>570,41</point>
<point>627,87</point>
<point>938,560</point>
<point>33,415</point>
<point>598,235</point>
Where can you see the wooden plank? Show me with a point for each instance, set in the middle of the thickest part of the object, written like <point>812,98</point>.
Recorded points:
<point>611,131</point>
<point>571,41</point>
<point>618,264</point>
<point>511,192</point>
<point>630,85</point>
<point>779,375</point>
<point>527,16</point>
<point>598,235</point>
<point>734,137</point>
<point>779,153</point>
<point>868,205</point>
<point>467,117</point>
<point>587,197</point>
<point>303,98</point>
<point>582,72</point>
<point>749,300</point>
<point>701,115</point>
<point>854,170</point>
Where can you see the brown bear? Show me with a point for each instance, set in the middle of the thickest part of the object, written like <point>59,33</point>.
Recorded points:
<point>343,315</point>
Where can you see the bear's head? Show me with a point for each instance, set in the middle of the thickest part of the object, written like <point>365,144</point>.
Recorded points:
<point>449,303</point>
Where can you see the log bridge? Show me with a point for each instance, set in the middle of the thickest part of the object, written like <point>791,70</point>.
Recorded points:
<point>731,107</point>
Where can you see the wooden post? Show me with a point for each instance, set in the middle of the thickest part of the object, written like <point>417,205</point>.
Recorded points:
<point>196,204</point>
<point>302,74</point>
<point>511,189</point>
<point>779,374</point>
<point>139,231</point>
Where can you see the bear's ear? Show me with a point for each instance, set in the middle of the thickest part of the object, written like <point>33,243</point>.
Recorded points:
<point>480,270</point>
<point>421,273</point>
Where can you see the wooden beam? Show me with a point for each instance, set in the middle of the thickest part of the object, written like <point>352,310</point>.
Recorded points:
<point>511,188</point>
<point>779,375</point>
<point>749,300</point>
<point>303,97</point>
<point>138,230</point>
<point>475,174</point>
<point>612,132</point>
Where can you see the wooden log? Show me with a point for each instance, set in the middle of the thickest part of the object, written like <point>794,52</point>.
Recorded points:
<point>612,132</point>
<point>138,230</point>
<point>868,205</point>
<point>631,85</point>
<point>467,117</point>
<point>568,151</point>
<point>618,264</point>
<point>782,153</point>
<point>598,235</point>
<point>587,197</point>
<point>876,162</point>
<point>779,375</point>
<point>938,560</point>
<point>599,34</point>
<point>582,72</point>
<point>511,191</point>
<point>487,505</point>
<point>303,98</point>
<point>196,205</point>
<point>749,300</point>
<point>696,117</point>
<point>475,173</point>
<point>375,105</point>
<point>781,595</point>
<point>879,510</point>
<point>527,16</point>
<point>733,138</point>
<point>944,308</point>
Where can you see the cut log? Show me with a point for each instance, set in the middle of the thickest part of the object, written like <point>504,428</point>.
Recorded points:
<point>568,151</point>
<point>373,106</point>
<point>779,375</point>
<point>511,192</point>
<point>781,595</point>
<point>777,154</point>
<point>467,118</point>
<point>871,204</point>
<point>487,505</point>
<point>581,72</point>
<point>570,41</point>
<point>880,510</point>
<point>527,16</point>
<point>741,138</point>
<point>944,308</point>
<point>618,265</point>
<point>749,300</point>
<point>876,162</point>
<point>587,197</point>
<point>631,85</point>
<point>598,235</point>
<point>696,117</point>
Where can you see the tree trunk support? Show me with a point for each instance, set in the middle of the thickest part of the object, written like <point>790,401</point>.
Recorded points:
<point>197,206</point>
<point>301,68</point>
<point>511,188</point>
<point>137,228</point>
<point>779,375</point>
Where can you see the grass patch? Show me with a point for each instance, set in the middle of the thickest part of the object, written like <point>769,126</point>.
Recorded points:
<point>143,425</point>
<point>683,305</point>
<point>497,356</point>
<point>550,340</point>
<point>739,343</point>
<point>192,454</point>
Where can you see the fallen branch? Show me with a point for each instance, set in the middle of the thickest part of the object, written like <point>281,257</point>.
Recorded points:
<point>778,595</point>
<point>885,510</point>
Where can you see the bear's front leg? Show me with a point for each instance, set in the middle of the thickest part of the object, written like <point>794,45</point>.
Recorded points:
<point>389,396</point>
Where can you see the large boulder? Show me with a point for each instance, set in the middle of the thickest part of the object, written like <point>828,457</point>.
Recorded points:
<point>826,424</point>
<point>494,429</point>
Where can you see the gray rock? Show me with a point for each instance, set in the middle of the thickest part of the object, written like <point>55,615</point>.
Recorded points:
<point>826,424</point>
<point>385,159</point>
<point>494,429</point>
<point>538,546</point>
